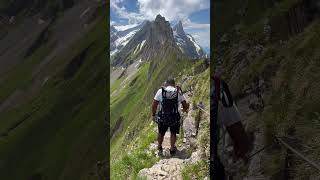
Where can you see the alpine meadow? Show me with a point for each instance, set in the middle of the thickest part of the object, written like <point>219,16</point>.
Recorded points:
<point>143,57</point>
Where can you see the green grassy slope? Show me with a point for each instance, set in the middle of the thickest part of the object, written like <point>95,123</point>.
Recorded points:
<point>131,109</point>
<point>291,71</point>
<point>59,133</point>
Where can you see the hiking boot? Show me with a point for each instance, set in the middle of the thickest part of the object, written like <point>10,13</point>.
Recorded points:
<point>173,151</point>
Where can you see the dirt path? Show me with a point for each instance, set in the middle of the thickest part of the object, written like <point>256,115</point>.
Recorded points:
<point>169,167</point>
<point>255,165</point>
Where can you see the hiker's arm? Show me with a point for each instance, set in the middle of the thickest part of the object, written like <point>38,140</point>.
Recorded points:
<point>185,106</point>
<point>154,107</point>
<point>239,138</point>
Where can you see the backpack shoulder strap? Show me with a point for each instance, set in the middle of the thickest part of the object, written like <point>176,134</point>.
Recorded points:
<point>226,99</point>
<point>217,87</point>
<point>178,91</point>
<point>164,92</point>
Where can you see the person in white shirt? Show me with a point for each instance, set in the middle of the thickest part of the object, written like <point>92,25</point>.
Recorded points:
<point>225,114</point>
<point>173,95</point>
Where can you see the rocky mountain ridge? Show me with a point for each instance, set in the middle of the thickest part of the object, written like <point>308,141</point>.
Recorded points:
<point>148,37</point>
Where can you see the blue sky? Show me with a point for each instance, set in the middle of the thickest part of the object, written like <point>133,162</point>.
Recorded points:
<point>194,14</point>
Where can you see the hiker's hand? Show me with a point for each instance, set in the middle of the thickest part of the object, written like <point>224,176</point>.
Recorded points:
<point>184,110</point>
<point>155,119</point>
<point>185,106</point>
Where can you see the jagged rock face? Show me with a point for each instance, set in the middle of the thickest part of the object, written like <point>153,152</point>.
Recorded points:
<point>154,39</point>
<point>186,42</point>
<point>113,38</point>
<point>159,39</point>
<point>150,39</point>
<point>161,33</point>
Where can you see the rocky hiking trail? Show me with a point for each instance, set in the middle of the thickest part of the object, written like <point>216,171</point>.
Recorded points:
<point>170,167</point>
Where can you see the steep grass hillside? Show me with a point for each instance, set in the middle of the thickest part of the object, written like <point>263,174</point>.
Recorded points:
<point>272,66</point>
<point>53,126</point>
<point>131,125</point>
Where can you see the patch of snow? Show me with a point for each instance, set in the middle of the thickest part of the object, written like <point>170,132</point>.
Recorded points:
<point>113,52</point>
<point>181,48</point>
<point>136,49</point>
<point>138,63</point>
<point>194,43</point>
<point>179,41</point>
<point>144,41</point>
<point>139,47</point>
<point>125,39</point>
<point>175,33</point>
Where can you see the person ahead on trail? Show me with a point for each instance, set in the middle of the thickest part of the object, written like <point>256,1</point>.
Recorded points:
<point>224,112</point>
<point>169,98</point>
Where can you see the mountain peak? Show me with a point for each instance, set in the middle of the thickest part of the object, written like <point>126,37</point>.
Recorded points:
<point>160,19</point>
<point>179,28</point>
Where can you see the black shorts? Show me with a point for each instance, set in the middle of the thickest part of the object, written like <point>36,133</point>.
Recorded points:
<point>162,129</point>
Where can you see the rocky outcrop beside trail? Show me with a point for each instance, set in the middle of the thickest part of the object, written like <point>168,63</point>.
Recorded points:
<point>164,169</point>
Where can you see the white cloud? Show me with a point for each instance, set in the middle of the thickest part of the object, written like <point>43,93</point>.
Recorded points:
<point>132,17</point>
<point>201,32</point>
<point>172,10</point>
<point>187,24</point>
<point>202,38</point>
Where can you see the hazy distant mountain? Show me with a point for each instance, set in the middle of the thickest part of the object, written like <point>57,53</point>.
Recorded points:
<point>187,43</point>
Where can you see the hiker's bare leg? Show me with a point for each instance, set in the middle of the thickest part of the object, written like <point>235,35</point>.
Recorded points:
<point>173,138</point>
<point>160,139</point>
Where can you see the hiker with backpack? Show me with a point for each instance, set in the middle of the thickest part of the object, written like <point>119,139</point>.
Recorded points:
<point>224,112</point>
<point>169,96</point>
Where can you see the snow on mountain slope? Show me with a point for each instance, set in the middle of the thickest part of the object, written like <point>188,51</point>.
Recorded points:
<point>119,37</point>
<point>122,41</point>
<point>184,41</point>
<point>187,43</point>
<point>198,48</point>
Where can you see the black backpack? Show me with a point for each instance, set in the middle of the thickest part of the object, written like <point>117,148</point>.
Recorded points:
<point>169,114</point>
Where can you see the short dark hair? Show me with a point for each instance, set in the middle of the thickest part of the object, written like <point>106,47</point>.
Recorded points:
<point>170,81</point>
